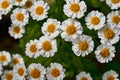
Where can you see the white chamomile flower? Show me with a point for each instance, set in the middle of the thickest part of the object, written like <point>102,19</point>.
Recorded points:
<point>109,35</point>
<point>28,4</point>
<point>105,53</point>
<point>19,2</point>
<point>17,59</point>
<point>95,20</point>
<point>8,75</point>
<point>20,16</point>
<point>39,10</point>
<point>83,45</point>
<point>75,8</point>
<point>32,49</point>
<point>5,6</point>
<point>113,4</point>
<point>47,46</point>
<point>1,69</point>
<point>55,72</point>
<point>19,71</point>
<point>36,72</point>
<point>5,58</point>
<point>51,28</point>
<point>16,31</point>
<point>83,76</point>
<point>113,19</point>
<point>110,75</point>
<point>71,29</point>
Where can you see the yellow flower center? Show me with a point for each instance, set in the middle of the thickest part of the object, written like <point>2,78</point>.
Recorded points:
<point>35,73</point>
<point>28,4</point>
<point>109,34</point>
<point>39,10</point>
<point>3,58</point>
<point>15,61</point>
<point>71,29</point>
<point>16,30</point>
<point>33,48</point>
<point>95,20</point>
<point>104,52</point>
<point>5,4</point>
<point>21,71</point>
<point>83,45</point>
<point>84,78</point>
<point>46,45</point>
<point>116,19</point>
<point>19,16</point>
<point>51,28</point>
<point>115,1</point>
<point>55,72</point>
<point>75,7</point>
<point>110,77</point>
<point>18,0</point>
<point>8,76</point>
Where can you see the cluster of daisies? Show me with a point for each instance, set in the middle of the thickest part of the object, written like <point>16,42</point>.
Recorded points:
<point>70,30</point>
<point>22,10</point>
<point>13,68</point>
<point>36,71</point>
<point>107,28</point>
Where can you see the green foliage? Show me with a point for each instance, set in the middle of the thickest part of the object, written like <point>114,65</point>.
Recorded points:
<point>117,47</point>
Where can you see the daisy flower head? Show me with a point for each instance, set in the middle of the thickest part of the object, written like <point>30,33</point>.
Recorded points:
<point>17,59</point>
<point>36,72</point>
<point>71,29</point>
<point>39,10</point>
<point>47,46</point>
<point>5,6</point>
<point>109,35</point>
<point>51,28</point>
<point>74,8</point>
<point>19,71</point>
<point>32,49</point>
<point>5,58</point>
<point>105,53</point>
<point>20,16</point>
<point>8,75</point>
<point>1,69</point>
<point>95,20</point>
<point>16,31</point>
<point>113,19</point>
<point>83,76</point>
<point>28,4</point>
<point>110,75</point>
<point>19,2</point>
<point>55,72</point>
<point>83,45</point>
<point>113,4</point>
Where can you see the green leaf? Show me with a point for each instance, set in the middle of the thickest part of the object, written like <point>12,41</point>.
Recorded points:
<point>89,66</point>
<point>93,3</point>
<point>113,65</point>
<point>32,31</point>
